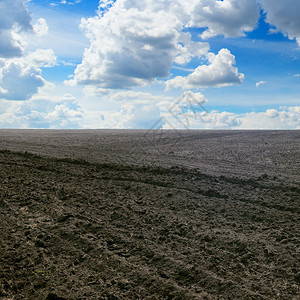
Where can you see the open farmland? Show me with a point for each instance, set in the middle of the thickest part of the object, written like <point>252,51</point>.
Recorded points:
<point>111,214</point>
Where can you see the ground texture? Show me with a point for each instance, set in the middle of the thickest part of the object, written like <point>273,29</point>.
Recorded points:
<point>147,215</point>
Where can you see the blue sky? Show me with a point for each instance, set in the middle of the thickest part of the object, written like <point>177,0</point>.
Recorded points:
<point>130,63</point>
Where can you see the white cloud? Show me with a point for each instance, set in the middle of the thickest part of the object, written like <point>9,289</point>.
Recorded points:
<point>64,113</point>
<point>189,101</point>
<point>138,110</point>
<point>133,43</point>
<point>71,2</point>
<point>140,114</point>
<point>104,6</point>
<point>259,83</point>
<point>19,82</point>
<point>42,58</point>
<point>20,78</point>
<point>143,110</point>
<point>284,15</point>
<point>220,72</point>
<point>41,28</point>
<point>283,118</point>
<point>3,91</point>
<point>14,18</point>
<point>130,109</point>
<point>272,113</point>
<point>65,2</point>
<point>231,18</point>
<point>129,95</point>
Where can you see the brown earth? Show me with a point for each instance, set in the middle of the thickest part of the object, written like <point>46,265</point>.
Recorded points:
<point>149,215</point>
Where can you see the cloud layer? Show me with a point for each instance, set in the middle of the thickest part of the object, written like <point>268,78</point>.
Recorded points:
<point>63,113</point>
<point>186,114</point>
<point>282,118</point>
<point>231,18</point>
<point>21,78</point>
<point>14,18</point>
<point>284,15</point>
<point>133,42</point>
<point>220,72</point>
<point>19,82</point>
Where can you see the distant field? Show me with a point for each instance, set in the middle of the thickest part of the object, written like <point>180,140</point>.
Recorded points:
<point>111,214</point>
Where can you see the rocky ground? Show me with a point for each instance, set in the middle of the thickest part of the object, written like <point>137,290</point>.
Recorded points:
<point>129,215</point>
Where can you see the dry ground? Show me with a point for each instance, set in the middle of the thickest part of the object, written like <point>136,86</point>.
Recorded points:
<point>137,215</point>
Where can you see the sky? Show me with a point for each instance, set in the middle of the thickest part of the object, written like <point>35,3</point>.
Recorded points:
<point>151,64</point>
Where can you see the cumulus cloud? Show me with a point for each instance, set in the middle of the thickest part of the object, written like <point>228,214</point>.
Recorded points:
<point>22,77</point>
<point>133,43</point>
<point>64,113</point>
<point>19,82</point>
<point>220,72</point>
<point>143,110</point>
<point>141,115</point>
<point>41,28</point>
<point>218,120</point>
<point>189,101</point>
<point>284,15</point>
<point>140,110</point>
<point>259,83</point>
<point>231,18</point>
<point>42,58</point>
<point>272,113</point>
<point>14,18</point>
<point>283,118</point>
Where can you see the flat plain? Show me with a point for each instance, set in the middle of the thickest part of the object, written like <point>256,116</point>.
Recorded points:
<point>135,214</point>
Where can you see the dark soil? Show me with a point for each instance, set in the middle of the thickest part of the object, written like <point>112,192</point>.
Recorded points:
<point>145,223</point>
